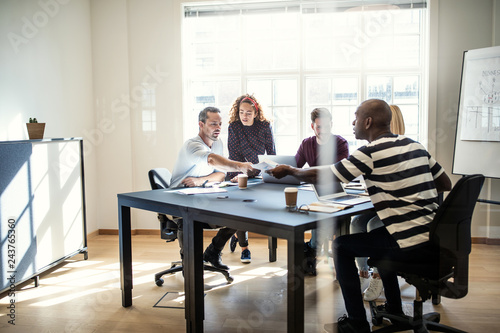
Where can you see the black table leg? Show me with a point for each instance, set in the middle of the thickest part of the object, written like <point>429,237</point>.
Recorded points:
<point>125,238</point>
<point>272,245</point>
<point>193,275</point>
<point>295,289</point>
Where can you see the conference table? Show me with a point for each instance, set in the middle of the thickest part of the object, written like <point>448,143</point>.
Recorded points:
<point>259,208</point>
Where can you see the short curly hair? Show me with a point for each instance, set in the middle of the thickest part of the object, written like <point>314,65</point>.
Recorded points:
<point>234,113</point>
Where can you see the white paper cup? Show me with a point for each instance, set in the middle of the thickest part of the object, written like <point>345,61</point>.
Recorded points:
<point>242,181</point>
<point>291,196</point>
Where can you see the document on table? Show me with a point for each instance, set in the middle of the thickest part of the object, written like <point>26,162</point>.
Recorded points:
<point>323,207</point>
<point>200,190</point>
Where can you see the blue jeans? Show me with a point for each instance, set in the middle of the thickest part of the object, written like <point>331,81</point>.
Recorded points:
<point>379,244</point>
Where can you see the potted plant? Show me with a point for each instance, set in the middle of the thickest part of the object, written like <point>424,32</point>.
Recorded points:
<point>35,129</point>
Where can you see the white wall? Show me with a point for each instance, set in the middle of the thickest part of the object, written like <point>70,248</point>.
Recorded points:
<point>81,72</point>
<point>134,42</point>
<point>457,26</point>
<point>46,72</point>
<point>111,136</point>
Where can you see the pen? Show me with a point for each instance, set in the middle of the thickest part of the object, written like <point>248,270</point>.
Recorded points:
<point>204,183</point>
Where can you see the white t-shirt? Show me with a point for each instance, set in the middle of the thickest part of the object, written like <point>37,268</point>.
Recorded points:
<point>192,160</point>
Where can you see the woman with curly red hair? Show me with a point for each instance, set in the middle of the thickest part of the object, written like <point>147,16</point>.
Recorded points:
<point>249,135</point>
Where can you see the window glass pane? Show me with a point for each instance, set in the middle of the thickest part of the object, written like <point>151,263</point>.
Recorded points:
<point>330,40</point>
<point>286,145</point>
<point>213,47</point>
<point>342,117</point>
<point>406,89</point>
<point>406,51</point>
<point>219,93</point>
<point>406,21</point>
<point>345,91</point>
<point>318,91</point>
<point>285,92</point>
<point>285,120</point>
<point>263,92</point>
<point>341,100</point>
<point>271,41</point>
<point>380,52</point>
<point>379,87</point>
<point>411,119</point>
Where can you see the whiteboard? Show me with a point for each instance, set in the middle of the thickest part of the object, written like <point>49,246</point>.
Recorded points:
<point>477,139</point>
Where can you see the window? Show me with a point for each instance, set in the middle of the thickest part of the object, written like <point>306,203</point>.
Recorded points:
<point>295,56</point>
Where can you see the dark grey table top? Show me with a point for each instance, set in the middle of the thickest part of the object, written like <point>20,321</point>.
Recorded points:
<point>268,206</point>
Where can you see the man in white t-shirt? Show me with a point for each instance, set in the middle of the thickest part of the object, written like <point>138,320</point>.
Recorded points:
<point>200,160</point>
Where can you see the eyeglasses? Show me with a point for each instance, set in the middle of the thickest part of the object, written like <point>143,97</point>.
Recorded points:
<point>299,209</point>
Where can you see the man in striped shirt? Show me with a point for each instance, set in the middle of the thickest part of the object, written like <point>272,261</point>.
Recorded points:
<point>403,182</point>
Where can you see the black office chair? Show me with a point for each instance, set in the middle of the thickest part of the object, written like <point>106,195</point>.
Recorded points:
<point>447,273</point>
<point>160,178</point>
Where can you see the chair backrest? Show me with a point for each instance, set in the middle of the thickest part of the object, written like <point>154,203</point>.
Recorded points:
<point>159,178</point>
<point>455,214</point>
<point>451,232</point>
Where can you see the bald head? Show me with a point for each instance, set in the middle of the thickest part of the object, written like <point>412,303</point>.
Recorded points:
<point>379,111</point>
<point>373,118</point>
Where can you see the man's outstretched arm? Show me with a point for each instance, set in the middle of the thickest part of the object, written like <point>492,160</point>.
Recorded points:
<point>223,164</point>
<point>309,175</point>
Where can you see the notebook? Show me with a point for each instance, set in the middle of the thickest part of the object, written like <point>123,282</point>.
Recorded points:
<point>333,191</point>
<point>278,159</point>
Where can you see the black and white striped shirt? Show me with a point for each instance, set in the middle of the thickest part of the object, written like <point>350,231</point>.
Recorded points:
<point>399,175</point>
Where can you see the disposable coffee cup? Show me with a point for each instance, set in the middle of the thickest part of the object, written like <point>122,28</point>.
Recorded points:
<point>291,196</point>
<point>242,181</point>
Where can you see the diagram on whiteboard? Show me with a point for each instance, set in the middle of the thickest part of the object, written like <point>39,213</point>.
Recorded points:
<point>481,103</point>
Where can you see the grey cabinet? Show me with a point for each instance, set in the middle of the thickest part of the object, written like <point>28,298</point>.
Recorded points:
<point>42,206</point>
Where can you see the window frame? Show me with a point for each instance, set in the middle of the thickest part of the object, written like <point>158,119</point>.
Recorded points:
<point>302,74</point>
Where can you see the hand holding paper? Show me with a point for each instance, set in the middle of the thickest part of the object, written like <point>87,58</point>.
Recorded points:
<point>265,165</point>
<point>280,171</point>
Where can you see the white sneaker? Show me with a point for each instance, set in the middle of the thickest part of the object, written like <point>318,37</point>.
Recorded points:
<point>374,290</point>
<point>364,282</point>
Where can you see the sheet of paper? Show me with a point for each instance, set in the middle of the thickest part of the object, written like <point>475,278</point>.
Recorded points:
<point>225,184</point>
<point>306,187</point>
<point>321,209</point>
<point>201,190</point>
<point>330,204</point>
<point>265,165</point>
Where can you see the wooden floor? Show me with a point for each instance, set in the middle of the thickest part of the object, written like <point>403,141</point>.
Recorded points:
<point>84,295</point>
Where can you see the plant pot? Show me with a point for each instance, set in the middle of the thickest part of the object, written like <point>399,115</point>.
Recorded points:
<point>35,130</point>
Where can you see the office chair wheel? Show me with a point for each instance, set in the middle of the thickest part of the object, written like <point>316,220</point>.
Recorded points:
<point>159,282</point>
<point>229,279</point>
